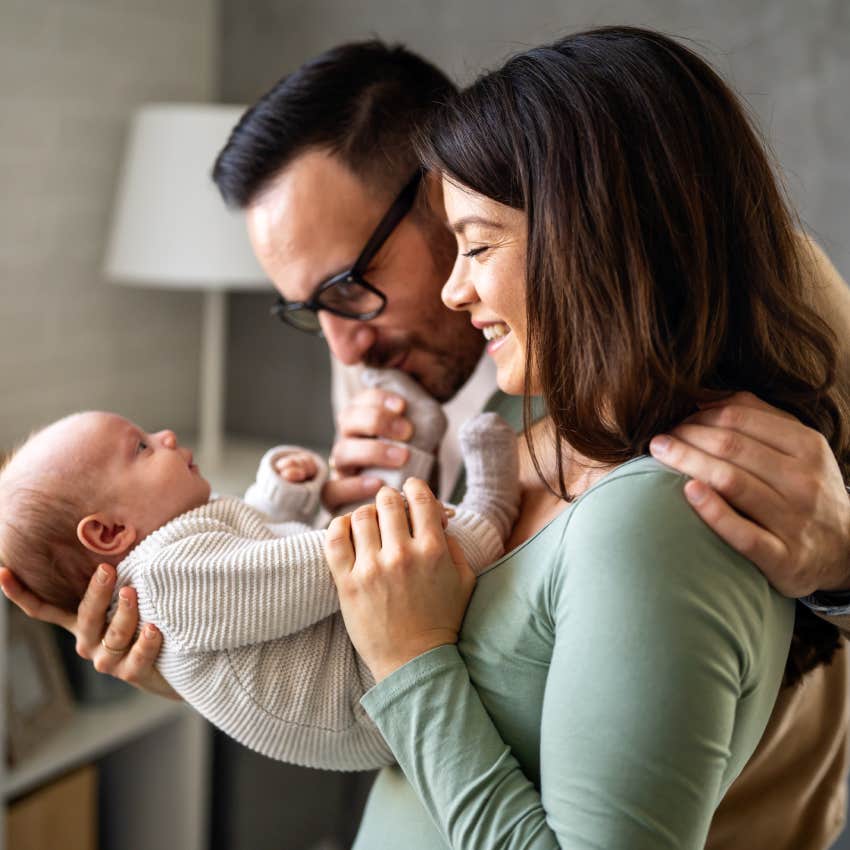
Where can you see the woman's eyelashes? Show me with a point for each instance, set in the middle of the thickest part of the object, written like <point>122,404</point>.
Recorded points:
<point>474,252</point>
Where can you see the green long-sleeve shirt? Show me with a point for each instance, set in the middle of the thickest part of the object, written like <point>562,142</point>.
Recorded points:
<point>614,674</point>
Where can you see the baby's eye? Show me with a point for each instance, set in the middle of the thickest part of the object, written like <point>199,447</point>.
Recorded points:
<point>141,447</point>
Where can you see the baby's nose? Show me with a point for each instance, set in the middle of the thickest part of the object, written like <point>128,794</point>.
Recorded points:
<point>169,439</point>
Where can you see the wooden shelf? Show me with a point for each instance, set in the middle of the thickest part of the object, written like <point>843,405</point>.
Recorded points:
<point>92,731</point>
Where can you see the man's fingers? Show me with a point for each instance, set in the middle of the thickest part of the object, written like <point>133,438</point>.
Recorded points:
<point>764,549</point>
<point>31,605</point>
<point>91,613</point>
<point>122,628</point>
<point>771,427</point>
<point>719,444</point>
<point>350,455</point>
<point>137,664</point>
<point>339,549</point>
<point>744,491</point>
<point>374,421</point>
<point>348,491</point>
<point>746,399</point>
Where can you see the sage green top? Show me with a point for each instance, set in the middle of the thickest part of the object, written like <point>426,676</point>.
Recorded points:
<point>614,674</point>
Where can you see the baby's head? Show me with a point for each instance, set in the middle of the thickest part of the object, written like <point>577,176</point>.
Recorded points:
<point>85,490</point>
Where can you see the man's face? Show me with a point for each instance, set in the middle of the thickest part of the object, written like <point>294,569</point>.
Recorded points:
<point>312,221</point>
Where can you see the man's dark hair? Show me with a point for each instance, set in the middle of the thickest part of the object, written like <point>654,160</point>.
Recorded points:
<point>360,101</point>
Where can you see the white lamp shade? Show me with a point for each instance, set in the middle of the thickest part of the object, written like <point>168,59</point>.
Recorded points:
<point>170,226</point>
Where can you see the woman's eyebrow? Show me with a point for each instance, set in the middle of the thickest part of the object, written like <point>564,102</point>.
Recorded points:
<point>462,223</point>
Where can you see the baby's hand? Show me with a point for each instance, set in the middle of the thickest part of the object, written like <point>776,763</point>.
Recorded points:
<point>296,467</point>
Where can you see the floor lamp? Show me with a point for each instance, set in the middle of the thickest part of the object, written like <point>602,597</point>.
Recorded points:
<point>170,229</point>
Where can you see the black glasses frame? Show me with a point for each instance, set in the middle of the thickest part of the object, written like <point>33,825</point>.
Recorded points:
<point>284,310</point>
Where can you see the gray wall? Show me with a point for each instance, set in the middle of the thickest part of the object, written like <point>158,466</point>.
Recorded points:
<point>71,72</point>
<point>791,61</point>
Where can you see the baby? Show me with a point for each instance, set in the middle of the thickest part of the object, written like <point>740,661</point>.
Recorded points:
<point>252,634</point>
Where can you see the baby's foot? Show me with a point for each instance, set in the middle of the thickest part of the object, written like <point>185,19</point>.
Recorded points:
<point>425,413</point>
<point>489,448</point>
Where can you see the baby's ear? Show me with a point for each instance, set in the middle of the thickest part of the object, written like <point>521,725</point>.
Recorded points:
<point>103,536</point>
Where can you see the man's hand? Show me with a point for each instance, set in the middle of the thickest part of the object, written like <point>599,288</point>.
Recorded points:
<point>372,413</point>
<point>770,487</point>
<point>134,666</point>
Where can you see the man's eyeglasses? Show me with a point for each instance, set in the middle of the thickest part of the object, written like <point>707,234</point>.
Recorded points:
<point>349,294</point>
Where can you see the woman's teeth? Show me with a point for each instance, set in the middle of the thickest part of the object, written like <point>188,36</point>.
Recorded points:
<point>496,331</point>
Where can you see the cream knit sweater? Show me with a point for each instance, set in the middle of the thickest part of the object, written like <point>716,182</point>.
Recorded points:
<point>252,634</point>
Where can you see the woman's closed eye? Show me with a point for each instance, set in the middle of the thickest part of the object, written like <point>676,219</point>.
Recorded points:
<point>474,252</point>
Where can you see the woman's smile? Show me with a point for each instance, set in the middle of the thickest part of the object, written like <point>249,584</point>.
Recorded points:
<point>488,278</point>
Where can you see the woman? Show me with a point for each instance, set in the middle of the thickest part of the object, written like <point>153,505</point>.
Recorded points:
<point>624,246</point>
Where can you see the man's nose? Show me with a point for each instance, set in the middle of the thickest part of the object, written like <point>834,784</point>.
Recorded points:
<point>348,339</point>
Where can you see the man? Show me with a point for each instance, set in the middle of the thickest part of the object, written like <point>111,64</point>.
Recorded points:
<point>325,170</point>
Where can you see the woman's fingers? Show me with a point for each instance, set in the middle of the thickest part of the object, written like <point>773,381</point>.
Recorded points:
<point>31,605</point>
<point>392,519</point>
<point>426,513</point>
<point>365,532</point>
<point>339,550</point>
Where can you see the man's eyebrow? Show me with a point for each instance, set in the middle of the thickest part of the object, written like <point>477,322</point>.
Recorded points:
<point>461,224</point>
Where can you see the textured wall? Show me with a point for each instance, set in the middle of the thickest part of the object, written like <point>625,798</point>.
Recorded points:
<point>790,59</point>
<point>71,72</point>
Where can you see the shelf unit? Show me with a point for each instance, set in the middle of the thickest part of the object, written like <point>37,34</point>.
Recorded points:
<point>150,753</point>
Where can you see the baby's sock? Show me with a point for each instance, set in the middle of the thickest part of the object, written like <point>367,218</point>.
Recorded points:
<point>426,413</point>
<point>429,426</point>
<point>489,448</point>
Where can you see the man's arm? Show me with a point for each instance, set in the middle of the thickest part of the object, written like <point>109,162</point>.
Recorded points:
<point>768,485</point>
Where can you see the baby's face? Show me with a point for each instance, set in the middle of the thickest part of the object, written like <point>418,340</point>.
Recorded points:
<point>146,479</point>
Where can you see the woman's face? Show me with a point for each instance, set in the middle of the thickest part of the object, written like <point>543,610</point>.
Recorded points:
<point>488,278</point>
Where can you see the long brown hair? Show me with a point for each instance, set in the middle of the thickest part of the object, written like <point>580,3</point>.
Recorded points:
<point>664,267</point>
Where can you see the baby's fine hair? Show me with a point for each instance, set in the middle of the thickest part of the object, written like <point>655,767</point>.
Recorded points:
<point>38,538</point>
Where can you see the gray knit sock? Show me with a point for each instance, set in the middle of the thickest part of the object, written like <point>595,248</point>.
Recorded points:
<point>425,412</point>
<point>489,448</point>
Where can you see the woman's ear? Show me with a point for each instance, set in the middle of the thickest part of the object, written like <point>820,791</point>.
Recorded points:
<point>103,536</point>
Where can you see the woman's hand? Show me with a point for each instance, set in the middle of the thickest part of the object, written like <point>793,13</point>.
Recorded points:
<point>770,487</point>
<point>403,587</point>
<point>135,665</point>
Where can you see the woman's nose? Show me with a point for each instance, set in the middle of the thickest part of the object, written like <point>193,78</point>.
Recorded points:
<point>348,339</point>
<point>458,292</point>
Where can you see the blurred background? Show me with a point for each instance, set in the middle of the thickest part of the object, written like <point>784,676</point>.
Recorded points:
<point>72,72</point>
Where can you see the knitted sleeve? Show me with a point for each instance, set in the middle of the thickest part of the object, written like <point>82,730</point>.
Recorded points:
<point>285,501</point>
<point>213,589</point>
